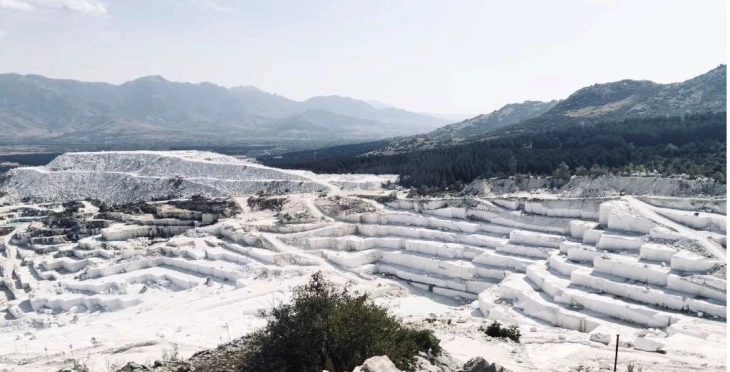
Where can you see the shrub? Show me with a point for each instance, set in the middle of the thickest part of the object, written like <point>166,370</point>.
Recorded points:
<point>330,328</point>
<point>496,330</point>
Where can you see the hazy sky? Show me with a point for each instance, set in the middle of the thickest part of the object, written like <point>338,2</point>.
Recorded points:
<point>459,57</point>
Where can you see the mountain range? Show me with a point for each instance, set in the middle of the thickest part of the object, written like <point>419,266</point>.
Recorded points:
<point>615,101</point>
<point>152,109</point>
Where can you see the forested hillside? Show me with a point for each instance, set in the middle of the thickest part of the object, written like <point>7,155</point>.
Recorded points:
<point>693,144</point>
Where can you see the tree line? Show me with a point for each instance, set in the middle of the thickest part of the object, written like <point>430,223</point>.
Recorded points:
<point>693,144</point>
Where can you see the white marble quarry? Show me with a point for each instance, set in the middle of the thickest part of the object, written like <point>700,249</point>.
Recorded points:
<point>566,270</point>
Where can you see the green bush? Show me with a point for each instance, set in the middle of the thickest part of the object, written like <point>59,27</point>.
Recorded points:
<point>496,330</point>
<point>327,327</point>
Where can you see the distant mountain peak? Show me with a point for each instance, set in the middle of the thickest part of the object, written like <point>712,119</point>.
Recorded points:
<point>152,78</point>
<point>643,98</point>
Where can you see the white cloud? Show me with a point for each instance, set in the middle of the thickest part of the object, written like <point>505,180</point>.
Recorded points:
<point>84,6</point>
<point>76,6</point>
<point>16,5</point>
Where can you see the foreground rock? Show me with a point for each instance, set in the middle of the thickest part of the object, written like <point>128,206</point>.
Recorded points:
<point>377,364</point>
<point>479,364</point>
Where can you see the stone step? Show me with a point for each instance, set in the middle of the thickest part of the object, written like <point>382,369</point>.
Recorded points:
<point>537,239</point>
<point>355,243</point>
<point>657,252</point>
<point>631,268</point>
<point>562,291</point>
<point>691,262</point>
<point>531,251</point>
<point>509,262</point>
<point>701,285</point>
<point>647,294</point>
<point>105,284</point>
<point>616,242</point>
<point>473,286</point>
<point>409,219</point>
<point>478,240</point>
<point>562,265</point>
<point>537,305</point>
<point>65,302</point>
<point>429,265</point>
<point>580,252</point>
<point>66,263</point>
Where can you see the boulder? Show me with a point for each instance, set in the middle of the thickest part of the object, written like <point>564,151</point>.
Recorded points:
<point>134,367</point>
<point>603,335</point>
<point>377,364</point>
<point>648,344</point>
<point>479,364</point>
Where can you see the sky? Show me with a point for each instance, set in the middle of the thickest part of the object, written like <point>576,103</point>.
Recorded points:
<point>451,57</point>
